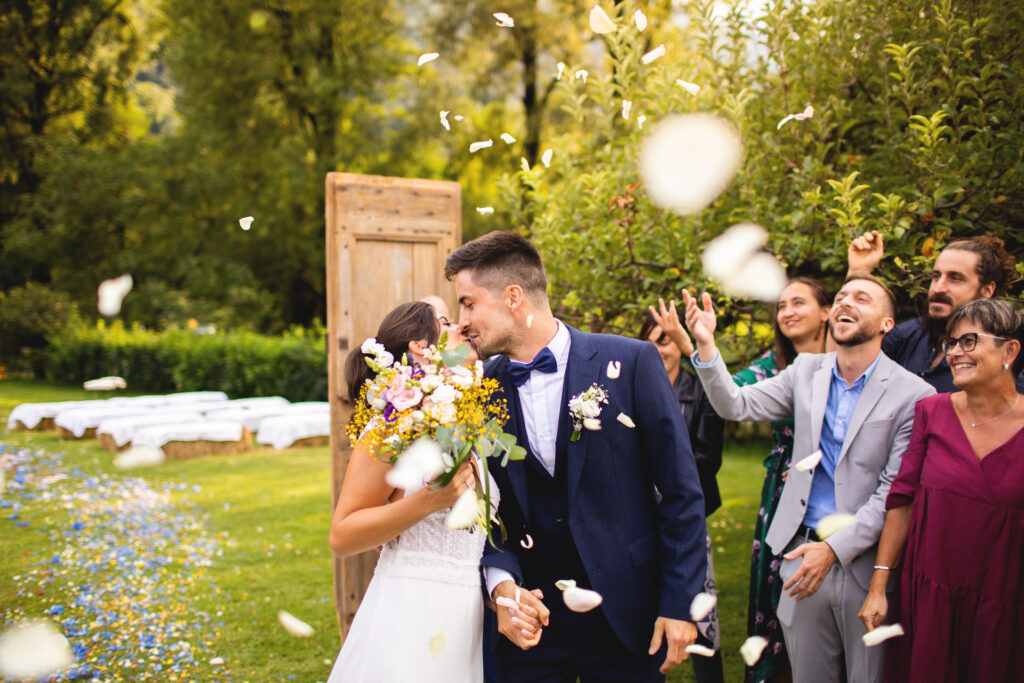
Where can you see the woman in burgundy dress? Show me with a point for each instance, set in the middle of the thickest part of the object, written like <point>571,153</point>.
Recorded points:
<point>957,506</point>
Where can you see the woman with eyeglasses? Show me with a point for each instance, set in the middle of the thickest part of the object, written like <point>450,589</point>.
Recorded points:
<point>957,508</point>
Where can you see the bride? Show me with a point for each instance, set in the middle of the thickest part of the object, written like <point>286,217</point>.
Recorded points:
<point>422,616</point>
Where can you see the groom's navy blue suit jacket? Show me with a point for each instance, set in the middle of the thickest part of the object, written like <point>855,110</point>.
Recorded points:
<point>636,512</point>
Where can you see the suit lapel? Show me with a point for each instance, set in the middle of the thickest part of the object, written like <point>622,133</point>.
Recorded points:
<point>820,384</point>
<point>583,370</point>
<point>873,390</point>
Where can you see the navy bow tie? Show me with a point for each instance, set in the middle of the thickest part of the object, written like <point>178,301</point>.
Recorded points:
<point>520,372</point>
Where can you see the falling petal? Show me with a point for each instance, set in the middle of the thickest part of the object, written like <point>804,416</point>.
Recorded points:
<point>613,369</point>
<point>216,661</point>
<point>459,117</point>
<point>653,54</point>
<point>33,650</point>
<point>527,542</point>
<point>529,321</point>
<point>752,648</point>
<point>600,22</point>
<point>626,420</point>
<point>580,74</point>
<point>294,626</point>
<point>104,384</point>
<point>581,599</point>
<point>702,605</point>
<point>504,20</point>
<point>524,164</point>
<point>830,524</point>
<point>691,88</point>
<point>246,222</point>
<point>592,423</point>
<point>881,634</point>
<point>139,456</point>
<point>565,584</point>
<point>688,159</point>
<point>735,259</point>
<point>700,650</point>
<point>640,122</point>
<point>426,58</point>
<point>761,277</point>
<point>485,210</point>
<point>561,70</point>
<point>444,120</point>
<point>507,139</point>
<point>545,158</point>
<point>419,463</point>
<point>465,511</point>
<point>111,293</point>
<point>810,462</point>
<point>640,19</point>
<point>807,113</point>
<point>502,601</point>
<point>437,642</point>
<point>480,145</point>
<point>627,105</point>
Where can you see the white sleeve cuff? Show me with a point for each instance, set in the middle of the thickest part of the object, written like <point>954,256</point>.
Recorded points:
<point>695,358</point>
<point>496,575</point>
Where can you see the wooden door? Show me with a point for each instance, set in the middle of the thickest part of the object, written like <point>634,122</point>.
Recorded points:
<point>387,241</point>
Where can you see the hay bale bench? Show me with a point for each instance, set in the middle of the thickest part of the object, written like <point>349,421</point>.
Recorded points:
<point>81,423</point>
<point>40,416</point>
<point>293,430</point>
<point>182,440</point>
<point>115,434</point>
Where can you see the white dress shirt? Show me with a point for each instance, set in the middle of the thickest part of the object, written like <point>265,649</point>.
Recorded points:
<point>540,398</point>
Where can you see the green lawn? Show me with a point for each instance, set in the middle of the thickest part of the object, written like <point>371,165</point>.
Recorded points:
<point>261,519</point>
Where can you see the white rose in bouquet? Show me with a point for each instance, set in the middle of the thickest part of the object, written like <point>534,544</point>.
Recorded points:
<point>445,393</point>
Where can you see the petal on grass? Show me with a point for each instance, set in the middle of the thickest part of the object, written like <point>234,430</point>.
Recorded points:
<point>111,293</point>
<point>426,58</point>
<point>444,120</point>
<point>882,634</point>
<point>640,19</point>
<point>700,650</point>
<point>691,88</point>
<point>246,222</point>
<point>507,138</point>
<point>465,511</point>
<point>752,648</point>
<point>810,462</point>
<point>702,605</point>
<point>626,420</point>
<point>504,20</point>
<point>139,456</point>
<point>33,649</point>
<point>480,145</point>
<point>830,524</point>
<point>600,22</point>
<point>216,661</point>
<point>653,54</point>
<point>614,369</point>
<point>293,625</point>
<point>689,159</point>
<point>545,158</point>
<point>459,117</point>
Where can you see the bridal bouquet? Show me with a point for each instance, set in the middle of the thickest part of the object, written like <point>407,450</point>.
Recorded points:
<point>427,419</point>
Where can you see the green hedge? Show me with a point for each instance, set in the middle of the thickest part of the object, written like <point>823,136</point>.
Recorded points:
<point>240,364</point>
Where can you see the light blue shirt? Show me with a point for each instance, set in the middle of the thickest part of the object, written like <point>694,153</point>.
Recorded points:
<point>842,400</point>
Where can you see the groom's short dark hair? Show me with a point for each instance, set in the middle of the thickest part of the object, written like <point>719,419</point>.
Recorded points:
<point>499,259</point>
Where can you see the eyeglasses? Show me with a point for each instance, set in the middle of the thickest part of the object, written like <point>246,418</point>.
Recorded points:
<point>967,341</point>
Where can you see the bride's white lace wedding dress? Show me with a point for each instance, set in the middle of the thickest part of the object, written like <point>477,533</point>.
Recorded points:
<point>422,616</point>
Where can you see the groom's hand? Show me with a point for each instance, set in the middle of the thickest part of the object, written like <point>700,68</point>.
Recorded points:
<point>522,626</point>
<point>678,634</point>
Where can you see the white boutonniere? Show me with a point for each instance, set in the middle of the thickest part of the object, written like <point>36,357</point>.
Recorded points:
<point>585,409</point>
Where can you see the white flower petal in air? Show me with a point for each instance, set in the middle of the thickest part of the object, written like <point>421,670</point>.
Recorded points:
<point>640,122</point>
<point>111,293</point>
<point>702,605</point>
<point>592,423</point>
<point>561,70</point>
<point>626,420</point>
<point>580,74</point>
<point>563,584</point>
<point>807,113</point>
<point>600,22</point>
<point>507,138</point>
<point>418,463</point>
<point>294,626</point>
<point>485,210</point>
<point>725,254</point>
<point>465,511</point>
<point>529,321</point>
<point>504,20</point>
<point>581,599</point>
<point>426,58</point>
<point>810,462</point>
<point>246,222</point>
<point>524,164</point>
<point>688,159</point>
<point>627,105</point>
<point>653,54</point>
<point>700,650</point>
<point>527,542</point>
<point>752,648</point>
<point>830,524</point>
<point>459,117</point>
<point>882,634</point>
<point>613,369</point>
<point>760,277</point>
<point>216,661</point>
<point>480,145</point>
<point>139,456</point>
<point>640,19</point>
<point>444,120</point>
<point>545,158</point>
<point>437,643</point>
<point>104,384</point>
<point>691,88</point>
<point>33,650</point>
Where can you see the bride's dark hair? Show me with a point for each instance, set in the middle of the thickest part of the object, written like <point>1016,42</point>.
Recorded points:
<point>407,322</point>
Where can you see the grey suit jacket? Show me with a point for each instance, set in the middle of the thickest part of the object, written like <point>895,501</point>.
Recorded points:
<point>870,458</point>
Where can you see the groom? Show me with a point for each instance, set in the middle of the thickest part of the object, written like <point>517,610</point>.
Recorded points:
<point>618,510</point>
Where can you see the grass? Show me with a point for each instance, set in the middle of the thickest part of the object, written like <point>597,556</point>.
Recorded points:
<point>269,513</point>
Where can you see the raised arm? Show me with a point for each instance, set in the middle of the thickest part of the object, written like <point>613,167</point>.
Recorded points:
<point>865,253</point>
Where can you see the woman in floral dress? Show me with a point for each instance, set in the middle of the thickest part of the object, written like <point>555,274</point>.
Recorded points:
<point>801,326</point>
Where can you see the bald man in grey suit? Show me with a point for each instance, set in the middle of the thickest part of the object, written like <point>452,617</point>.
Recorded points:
<point>856,406</point>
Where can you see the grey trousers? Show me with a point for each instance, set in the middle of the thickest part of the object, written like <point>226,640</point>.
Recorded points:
<point>823,631</point>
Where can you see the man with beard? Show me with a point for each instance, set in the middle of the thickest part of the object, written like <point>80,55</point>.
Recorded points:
<point>967,269</point>
<point>853,412</point>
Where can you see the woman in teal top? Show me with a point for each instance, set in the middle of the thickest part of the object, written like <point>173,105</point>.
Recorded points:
<point>801,326</point>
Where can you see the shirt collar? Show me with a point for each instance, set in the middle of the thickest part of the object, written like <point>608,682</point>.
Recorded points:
<point>860,381</point>
<point>559,344</point>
